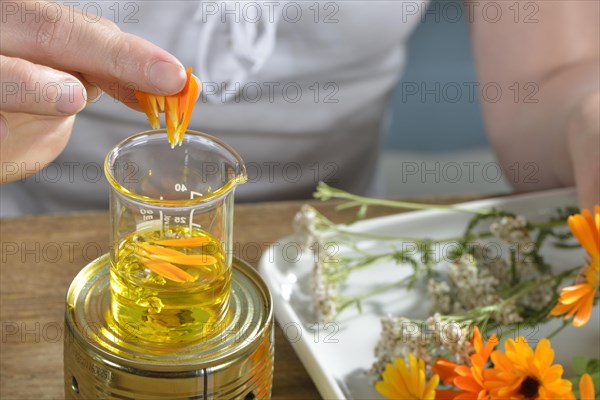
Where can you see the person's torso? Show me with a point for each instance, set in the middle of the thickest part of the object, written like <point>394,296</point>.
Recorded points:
<point>298,88</point>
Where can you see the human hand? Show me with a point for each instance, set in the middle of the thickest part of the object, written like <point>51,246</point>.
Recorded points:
<point>52,62</point>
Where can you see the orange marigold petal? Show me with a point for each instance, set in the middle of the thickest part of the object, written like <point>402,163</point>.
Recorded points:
<point>586,388</point>
<point>544,354</point>
<point>172,117</point>
<point>574,308</point>
<point>584,233</point>
<point>151,249</point>
<point>186,104</point>
<point>585,311</point>
<point>184,242</point>
<point>468,384</point>
<point>386,389</point>
<point>573,294</point>
<point>445,369</point>
<point>160,101</point>
<point>559,309</point>
<point>191,260</point>
<point>489,346</point>
<point>168,270</point>
<point>595,230</point>
<point>149,105</point>
<point>553,373</point>
<point>477,340</point>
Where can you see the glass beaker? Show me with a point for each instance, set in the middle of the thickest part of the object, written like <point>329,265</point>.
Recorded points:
<point>171,216</point>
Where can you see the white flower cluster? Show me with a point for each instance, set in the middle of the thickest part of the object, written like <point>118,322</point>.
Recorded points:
<point>497,266</point>
<point>469,287</point>
<point>539,297</point>
<point>439,294</point>
<point>514,232</point>
<point>324,293</point>
<point>511,229</point>
<point>311,237</point>
<point>427,341</point>
<point>305,227</point>
<point>474,287</point>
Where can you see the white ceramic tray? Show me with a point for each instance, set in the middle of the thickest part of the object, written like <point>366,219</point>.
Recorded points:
<point>339,355</point>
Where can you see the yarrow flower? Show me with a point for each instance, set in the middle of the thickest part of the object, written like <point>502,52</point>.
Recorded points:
<point>325,294</point>
<point>305,226</point>
<point>470,287</point>
<point>514,231</point>
<point>578,299</point>
<point>407,382</point>
<point>469,379</point>
<point>521,374</point>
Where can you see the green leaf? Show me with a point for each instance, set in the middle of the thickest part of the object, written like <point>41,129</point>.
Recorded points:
<point>593,366</point>
<point>580,364</point>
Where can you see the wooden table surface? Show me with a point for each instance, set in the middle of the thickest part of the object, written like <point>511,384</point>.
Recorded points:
<point>40,255</point>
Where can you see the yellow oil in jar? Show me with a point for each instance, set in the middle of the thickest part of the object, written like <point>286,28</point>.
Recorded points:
<point>170,287</point>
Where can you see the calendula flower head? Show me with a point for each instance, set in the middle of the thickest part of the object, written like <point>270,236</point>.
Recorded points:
<point>578,300</point>
<point>407,381</point>
<point>519,373</point>
<point>468,378</point>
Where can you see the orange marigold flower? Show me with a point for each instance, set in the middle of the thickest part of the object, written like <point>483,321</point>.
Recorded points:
<point>586,388</point>
<point>407,382</point>
<point>521,374</point>
<point>578,299</point>
<point>469,379</point>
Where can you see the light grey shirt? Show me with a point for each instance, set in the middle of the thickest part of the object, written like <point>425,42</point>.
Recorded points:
<point>300,91</point>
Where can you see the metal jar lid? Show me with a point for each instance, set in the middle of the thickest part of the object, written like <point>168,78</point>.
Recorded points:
<point>237,361</point>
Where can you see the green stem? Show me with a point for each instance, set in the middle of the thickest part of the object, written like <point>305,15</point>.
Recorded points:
<point>559,329</point>
<point>522,290</point>
<point>379,289</point>
<point>365,263</point>
<point>326,192</point>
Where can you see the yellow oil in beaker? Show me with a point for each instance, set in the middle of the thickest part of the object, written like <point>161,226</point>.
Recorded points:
<point>168,287</point>
<point>171,218</point>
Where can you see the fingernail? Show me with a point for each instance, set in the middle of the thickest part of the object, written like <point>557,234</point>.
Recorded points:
<point>167,77</point>
<point>71,98</point>
<point>3,129</point>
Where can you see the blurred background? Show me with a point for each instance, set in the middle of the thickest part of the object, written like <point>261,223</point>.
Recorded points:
<point>435,143</point>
